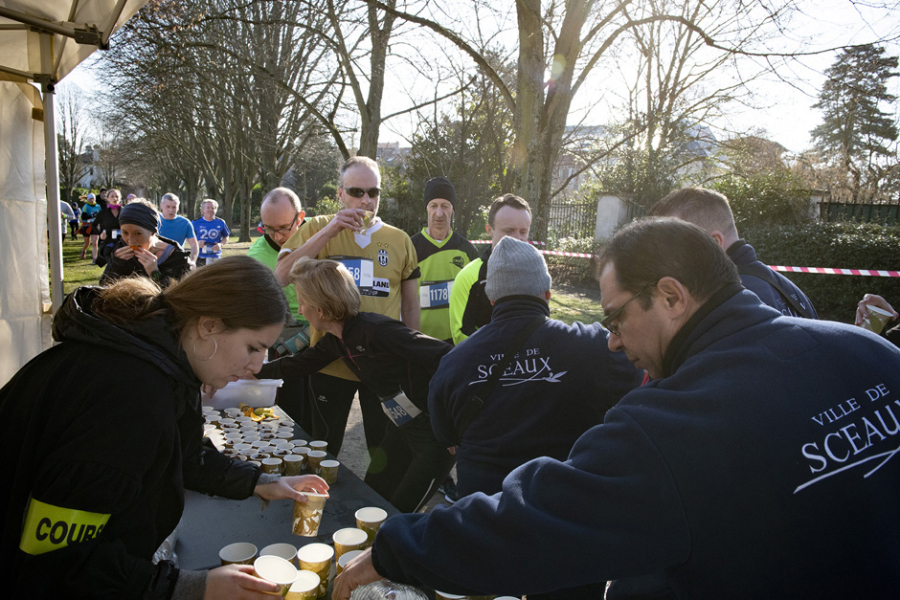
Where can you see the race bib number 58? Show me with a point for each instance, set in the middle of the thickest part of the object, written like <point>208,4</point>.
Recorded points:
<point>49,527</point>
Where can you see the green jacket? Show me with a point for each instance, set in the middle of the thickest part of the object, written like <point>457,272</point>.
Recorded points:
<point>440,262</point>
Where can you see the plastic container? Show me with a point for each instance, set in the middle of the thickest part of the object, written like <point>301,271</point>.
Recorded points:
<point>387,590</point>
<point>252,392</point>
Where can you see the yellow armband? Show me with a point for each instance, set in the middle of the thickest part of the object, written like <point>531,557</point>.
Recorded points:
<point>49,527</point>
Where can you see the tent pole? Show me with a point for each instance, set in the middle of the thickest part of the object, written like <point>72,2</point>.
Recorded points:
<point>53,213</point>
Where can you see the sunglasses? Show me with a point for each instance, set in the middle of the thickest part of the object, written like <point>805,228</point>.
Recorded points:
<point>360,192</point>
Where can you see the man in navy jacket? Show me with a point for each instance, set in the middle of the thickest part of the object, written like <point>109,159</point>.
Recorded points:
<point>757,462</point>
<point>710,210</point>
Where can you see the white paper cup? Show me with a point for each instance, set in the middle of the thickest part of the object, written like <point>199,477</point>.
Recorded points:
<point>347,539</point>
<point>306,586</point>
<point>445,596</point>
<point>317,558</point>
<point>239,553</point>
<point>276,570</point>
<point>286,551</point>
<point>369,519</point>
<point>345,558</point>
<point>298,443</point>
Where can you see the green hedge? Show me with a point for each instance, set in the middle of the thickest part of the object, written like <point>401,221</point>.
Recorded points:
<point>839,245</point>
<point>571,270</point>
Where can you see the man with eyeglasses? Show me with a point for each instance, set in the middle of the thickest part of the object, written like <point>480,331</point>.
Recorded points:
<point>383,263</point>
<point>760,461</point>
<point>175,227</point>
<point>282,214</point>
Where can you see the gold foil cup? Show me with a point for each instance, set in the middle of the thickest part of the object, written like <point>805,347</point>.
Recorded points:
<point>308,515</point>
<point>305,587</point>
<point>345,558</point>
<point>317,558</point>
<point>328,470</point>
<point>314,459</point>
<point>293,465</point>
<point>369,519</point>
<point>239,553</point>
<point>276,570</point>
<point>347,539</point>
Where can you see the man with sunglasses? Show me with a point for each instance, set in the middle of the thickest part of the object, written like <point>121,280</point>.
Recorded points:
<point>383,263</point>
<point>760,461</point>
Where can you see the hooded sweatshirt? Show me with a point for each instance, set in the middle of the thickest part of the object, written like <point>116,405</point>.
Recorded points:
<point>100,460</point>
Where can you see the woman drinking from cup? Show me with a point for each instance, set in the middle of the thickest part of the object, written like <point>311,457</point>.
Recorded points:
<point>141,251</point>
<point>99,467</point>
<point>395,361</point>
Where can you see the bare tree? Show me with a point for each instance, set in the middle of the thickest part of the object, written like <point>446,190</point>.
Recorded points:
<point>71,129</point>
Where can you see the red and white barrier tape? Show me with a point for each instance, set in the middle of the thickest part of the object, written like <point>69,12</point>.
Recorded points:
<point>532,242</point>
<point>828,271</point>
<point>817,270</point>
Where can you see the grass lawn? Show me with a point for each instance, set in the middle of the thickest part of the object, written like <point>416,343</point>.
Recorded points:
<point>567,304</point>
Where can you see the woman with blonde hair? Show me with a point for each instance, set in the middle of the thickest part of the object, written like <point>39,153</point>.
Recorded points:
<point>99,466</point>
<point>396,362</point>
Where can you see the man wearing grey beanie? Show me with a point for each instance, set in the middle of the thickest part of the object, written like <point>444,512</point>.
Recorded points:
<point>559,383</point>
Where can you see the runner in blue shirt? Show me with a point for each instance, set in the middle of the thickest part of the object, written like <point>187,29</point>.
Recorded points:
<point>174,226</point>
<point>211,231</point>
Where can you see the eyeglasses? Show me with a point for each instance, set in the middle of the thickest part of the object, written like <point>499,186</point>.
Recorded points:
<point>281,230</point>
<point>360,192</point>
<point>610,321</point>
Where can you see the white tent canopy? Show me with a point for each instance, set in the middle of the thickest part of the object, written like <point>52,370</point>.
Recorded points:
<point>41,41</point>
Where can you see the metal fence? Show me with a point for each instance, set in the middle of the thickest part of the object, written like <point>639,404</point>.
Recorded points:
<point>576,220</point>
<point>889,214</point>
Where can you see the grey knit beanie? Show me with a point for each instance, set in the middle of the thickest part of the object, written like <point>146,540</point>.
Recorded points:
<point>516,269</point>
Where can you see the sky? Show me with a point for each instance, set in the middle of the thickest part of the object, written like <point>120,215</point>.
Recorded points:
<point>781,106</point>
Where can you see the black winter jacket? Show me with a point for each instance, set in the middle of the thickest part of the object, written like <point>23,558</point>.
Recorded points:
<point>123,441</point>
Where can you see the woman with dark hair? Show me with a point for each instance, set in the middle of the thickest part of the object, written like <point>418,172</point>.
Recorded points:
<point>99,470</point>
<point>140,250</point>
<point>396,362</point>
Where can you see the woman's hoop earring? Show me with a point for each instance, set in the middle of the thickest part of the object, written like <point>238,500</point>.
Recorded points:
<point>210,357</point>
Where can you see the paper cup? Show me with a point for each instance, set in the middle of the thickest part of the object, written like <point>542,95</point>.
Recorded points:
<point>273,465</point>
<point>318,445</point>
<point>286,551</point>
<point>305,587</point>
<point>314,459</point>
<point>369,519</point>
<point>878,318</point>
<point>297,443</point>
<point>347,539</point>
<point>445,596</point>
<point>345,558</point>
<point>293,464</point>
<point>317,558</point>
<point>239,553</point>
<point>308,515</point>
<point>276,570</point>
<point>328,470</point>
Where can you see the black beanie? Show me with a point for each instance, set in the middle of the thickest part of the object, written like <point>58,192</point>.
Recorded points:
<point>440,187</point>
<point>140,215</point>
